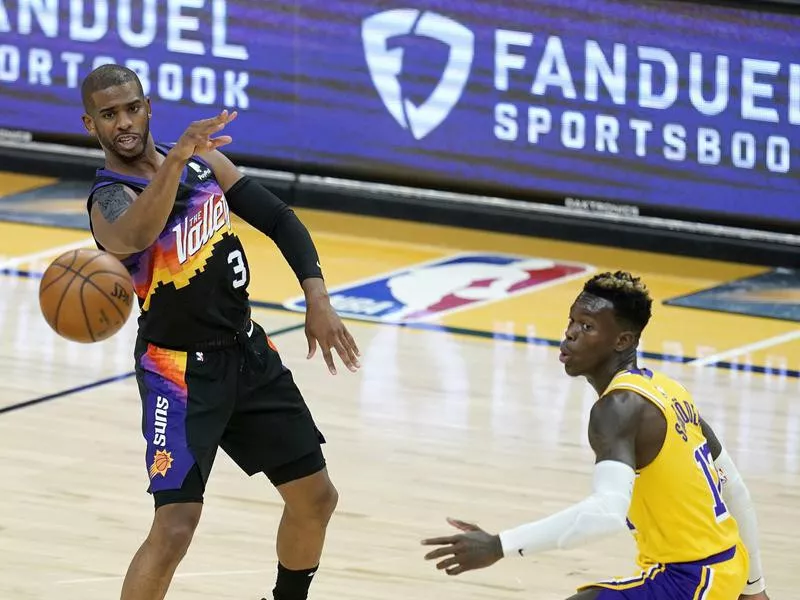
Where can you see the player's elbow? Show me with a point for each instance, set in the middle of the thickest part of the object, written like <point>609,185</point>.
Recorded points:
<point>600,515</point>
<point>137,240</point>
<point>283,222</point>
<point>119,240</point>
<point>616,507</point>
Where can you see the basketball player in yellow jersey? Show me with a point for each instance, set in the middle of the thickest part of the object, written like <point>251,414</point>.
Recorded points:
<point>660,471</point>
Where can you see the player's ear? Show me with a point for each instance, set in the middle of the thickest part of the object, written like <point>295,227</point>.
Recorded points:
<point>625,341</point>
<point>149,107</point>
<point>88,124</point>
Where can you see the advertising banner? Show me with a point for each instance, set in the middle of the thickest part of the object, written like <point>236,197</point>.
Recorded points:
<point>648,103</point>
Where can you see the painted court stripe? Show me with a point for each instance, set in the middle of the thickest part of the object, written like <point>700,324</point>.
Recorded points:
<point>176,576</point>
<point>48,253</point>
<point>22,274</point>
<point>760,345</point>
<point>63,393</point>
<point>530,340</point>
<point>718,361</point>
<point>98,383</point>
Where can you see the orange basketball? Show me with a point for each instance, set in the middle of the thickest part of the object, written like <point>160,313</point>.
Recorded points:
<point>86,295</point>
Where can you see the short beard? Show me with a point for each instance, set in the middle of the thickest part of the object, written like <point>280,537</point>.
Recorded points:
<point>108,145</point>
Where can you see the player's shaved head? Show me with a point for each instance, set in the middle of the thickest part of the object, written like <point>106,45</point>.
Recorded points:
<point>104,77</point>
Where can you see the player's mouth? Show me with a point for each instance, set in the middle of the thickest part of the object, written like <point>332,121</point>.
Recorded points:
<point>564,354</point>
<point>127,141</point>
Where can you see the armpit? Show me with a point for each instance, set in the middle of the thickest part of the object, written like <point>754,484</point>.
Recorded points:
<point>113,201</point>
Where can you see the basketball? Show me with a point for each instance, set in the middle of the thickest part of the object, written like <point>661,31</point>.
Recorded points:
<point>86,295</point>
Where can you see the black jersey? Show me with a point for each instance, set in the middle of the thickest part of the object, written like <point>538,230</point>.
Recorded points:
<point>192,281</point>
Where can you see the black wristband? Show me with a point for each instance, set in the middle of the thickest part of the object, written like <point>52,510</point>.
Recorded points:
<point>262,209</point>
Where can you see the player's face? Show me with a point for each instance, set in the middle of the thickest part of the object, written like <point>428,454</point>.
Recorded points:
<point>120,118</point>
<point>593,336</point>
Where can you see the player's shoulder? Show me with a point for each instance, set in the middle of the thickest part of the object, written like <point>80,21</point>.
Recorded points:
<point>650,385</point>
<point>620,401</point>
<point>109,190</point>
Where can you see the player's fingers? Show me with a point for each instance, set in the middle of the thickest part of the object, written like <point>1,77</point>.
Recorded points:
<point>312,345</point>
<point>225,117</point>
<point>341,350</point>
<point>440,552</point>
<point>457,570</point>
<point>352,341</point>
<point>220,141</point>
<point>440,541</point>
<point>462,525</point>
<point>214,123</point>
<point>210,123</point>
<point>352,358</point>
<point>447,564</point>
<point>326,353</point>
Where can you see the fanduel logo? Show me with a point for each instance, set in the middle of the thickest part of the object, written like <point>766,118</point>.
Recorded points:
<point>386,65</point>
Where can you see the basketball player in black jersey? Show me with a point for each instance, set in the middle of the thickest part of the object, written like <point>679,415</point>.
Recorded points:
<point>208,375</point>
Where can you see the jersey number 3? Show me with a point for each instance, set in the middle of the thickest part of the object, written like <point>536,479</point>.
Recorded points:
<point>236,259</point>
<point>702,455</point>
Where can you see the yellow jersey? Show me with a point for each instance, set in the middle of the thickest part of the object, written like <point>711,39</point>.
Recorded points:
<point>677,513</point>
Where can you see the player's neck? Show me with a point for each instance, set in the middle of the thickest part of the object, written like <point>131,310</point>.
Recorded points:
<point>145,166</point>
<point>602,378</point>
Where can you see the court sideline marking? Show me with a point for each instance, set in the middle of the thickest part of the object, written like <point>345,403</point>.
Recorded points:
<point>98,383</point>
<point>717,361</point>
<point>176,576</point>
<point>738,351</point>
<point>10,264</point>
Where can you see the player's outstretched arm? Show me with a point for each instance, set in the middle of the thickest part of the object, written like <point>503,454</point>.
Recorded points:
<point>262,209</point>
<point>123,223</point>
<point>613,425</point>
<point>737,499</point>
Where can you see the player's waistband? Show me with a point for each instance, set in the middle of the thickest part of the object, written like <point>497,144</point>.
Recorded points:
<point>227,340</point>
<point>218,342</point>
<point>710,560</point>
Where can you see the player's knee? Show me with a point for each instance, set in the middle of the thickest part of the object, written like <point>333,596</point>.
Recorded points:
<point>174,528</point>
<point>317,505</point>
<point>323,503</point>
<point>331,501</point>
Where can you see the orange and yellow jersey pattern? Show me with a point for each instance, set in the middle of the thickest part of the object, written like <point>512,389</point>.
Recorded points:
<point>677,513</point>
<point>192,281</point>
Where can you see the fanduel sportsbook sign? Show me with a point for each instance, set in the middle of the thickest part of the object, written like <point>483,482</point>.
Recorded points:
<point>663,104</point>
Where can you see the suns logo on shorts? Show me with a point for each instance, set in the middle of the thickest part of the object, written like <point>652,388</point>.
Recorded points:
<point>162,462</point>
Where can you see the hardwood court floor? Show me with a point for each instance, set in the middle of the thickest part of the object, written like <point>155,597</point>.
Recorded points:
<point>474,419</point>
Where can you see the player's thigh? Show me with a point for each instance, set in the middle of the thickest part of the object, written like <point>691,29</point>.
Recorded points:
<point>727,579</point>
<point>643,592</point>
<point>682,581</point>
<point>187,400</point>
<point>272,429</point>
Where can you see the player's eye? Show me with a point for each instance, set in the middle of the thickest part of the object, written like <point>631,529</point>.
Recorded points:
<point>586,327</point>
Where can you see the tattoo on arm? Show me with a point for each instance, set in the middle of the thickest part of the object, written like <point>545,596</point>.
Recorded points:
<point>613,425</point>
<point>113,201</point>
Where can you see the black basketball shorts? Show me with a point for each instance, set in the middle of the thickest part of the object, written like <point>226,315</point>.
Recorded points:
<point>240,398</point>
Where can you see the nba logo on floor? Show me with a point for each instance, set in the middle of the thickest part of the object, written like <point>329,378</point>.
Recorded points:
<point>429,290</point>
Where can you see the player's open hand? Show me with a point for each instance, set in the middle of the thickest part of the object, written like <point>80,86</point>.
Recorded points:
<point>197,137</point>
<point>324,327</point>
<point>473,549</point>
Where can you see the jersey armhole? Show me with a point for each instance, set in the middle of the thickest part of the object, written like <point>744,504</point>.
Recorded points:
<point>653,400</point>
